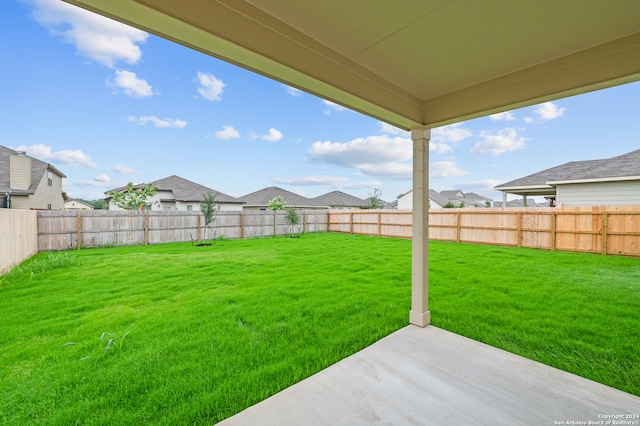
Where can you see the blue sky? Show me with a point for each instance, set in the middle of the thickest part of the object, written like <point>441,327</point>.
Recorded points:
<point>107,104</point>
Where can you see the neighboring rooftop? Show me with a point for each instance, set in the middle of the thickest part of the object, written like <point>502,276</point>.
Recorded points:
<point>621,166</point>
<point>38,168</point>
<point>338,198</point>
<point>186,190</point>
<point>263,196</point>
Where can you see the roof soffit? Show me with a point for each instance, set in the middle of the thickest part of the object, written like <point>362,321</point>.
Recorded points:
<point>430,62</point>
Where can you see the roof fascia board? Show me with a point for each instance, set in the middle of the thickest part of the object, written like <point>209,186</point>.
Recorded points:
<point>594,180</point>
<point>524,188</point>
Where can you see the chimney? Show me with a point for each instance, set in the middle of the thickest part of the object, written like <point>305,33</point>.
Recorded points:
<point>20,171</point>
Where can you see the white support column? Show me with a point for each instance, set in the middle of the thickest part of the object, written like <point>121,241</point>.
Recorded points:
<point>504,199</point>
<point>420,314</point>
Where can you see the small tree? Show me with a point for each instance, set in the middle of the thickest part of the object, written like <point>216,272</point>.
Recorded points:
<point>277,204</point>
<point>375,200</point>
<point>292,218</point>
<point>209,208</point>
<point>133,198</point>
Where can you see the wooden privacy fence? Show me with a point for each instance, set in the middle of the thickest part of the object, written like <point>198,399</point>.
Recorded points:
<point>607,230</point>
<point>61,230</point>
<point>18,237</point>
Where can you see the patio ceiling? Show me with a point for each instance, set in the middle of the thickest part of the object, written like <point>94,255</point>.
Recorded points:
<point>410,63</point>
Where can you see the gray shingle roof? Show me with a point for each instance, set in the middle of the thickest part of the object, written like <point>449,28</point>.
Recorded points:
<point>437,197</point>
<point>38,169</point>
<point>620,166</point>
<point>263,196</point>
<point>338,198</point>
<point>186,190</point>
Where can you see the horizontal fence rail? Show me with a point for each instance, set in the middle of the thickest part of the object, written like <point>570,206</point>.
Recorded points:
<point>63,230</point>
<point>606,230</point>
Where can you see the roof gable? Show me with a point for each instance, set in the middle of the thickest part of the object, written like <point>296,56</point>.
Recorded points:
<point>338,198</point>
<point>263,196</point>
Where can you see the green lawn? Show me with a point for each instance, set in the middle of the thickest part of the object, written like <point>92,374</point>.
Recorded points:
<point>177,334</point>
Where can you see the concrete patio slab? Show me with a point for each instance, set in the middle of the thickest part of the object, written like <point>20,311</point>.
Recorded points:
<point>429,376</point>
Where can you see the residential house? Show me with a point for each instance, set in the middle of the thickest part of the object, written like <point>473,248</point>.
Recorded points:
<point>72,204</point>
<point>259,200</point>
<point>613,181</point>
<point>436,200</point>
<point>469,200</point>
<point>28,183</point>
<point>339,200</point>
<point>439,200</point>
<point>176,193</point>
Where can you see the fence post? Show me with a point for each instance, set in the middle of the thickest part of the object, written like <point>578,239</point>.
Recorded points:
<point>146,228</point>
<point>242,225</point>
<point>554,218</point>
<point>351,223</point>
<point>78,231</point>
<point>519,229</point>
<point>380,223</point>
<point>199,226</point>
<point>605,218</point>
<point>458,226</point>
<point>275,223</point>
<point>304,221</point>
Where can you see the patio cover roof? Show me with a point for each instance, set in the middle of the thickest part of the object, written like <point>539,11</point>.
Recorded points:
<point>413,63</point>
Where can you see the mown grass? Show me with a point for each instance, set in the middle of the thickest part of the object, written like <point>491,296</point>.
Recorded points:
<point>177,334</point>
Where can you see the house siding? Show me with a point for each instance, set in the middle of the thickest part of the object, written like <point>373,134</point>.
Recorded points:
<point>45,194</point>
<point>406,203</point>
<point>20,172</point>
<point>622,193</point>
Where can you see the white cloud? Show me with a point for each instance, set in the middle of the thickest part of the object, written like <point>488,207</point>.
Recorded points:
<point>67,157</point>
<point>130,84</point>
<point>548,111</point>
<point>179,124</point>
<point>443,137</point>
<point>503,116</point>
<point>94,36</point>
<point>392,130</point>
<point>210,87</point>
<point>336,182</point>
<point>392,170</point>
<point>498,143</point>
<point>124,169</point>
<point>100,181</point>
<point>332,107</point>
<point>227,132</point>
<point>452,133</point>
<point>273,136</point>
<point>528,120</point>
<point>102,178</point>
<point>480,186</point>
<point>445,169</point>
<point>383,155</point>
<point>372,149</point>
<point>293,91</point>
<point>439,148</point>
